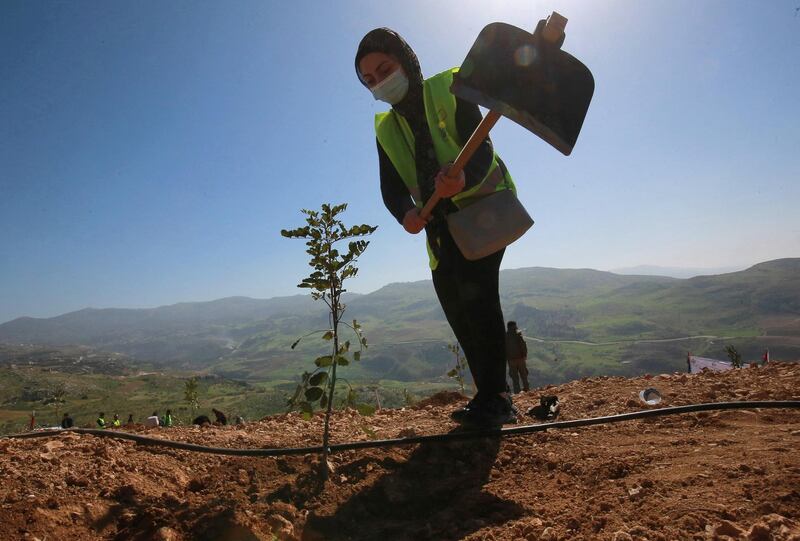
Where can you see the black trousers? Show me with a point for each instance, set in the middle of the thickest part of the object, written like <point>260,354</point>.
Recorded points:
<point>469,294</point>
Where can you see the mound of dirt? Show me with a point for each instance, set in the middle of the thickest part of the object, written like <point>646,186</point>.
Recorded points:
<point>710,475</point>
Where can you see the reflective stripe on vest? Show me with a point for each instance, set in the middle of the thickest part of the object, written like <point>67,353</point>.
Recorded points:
<point>397,141</point>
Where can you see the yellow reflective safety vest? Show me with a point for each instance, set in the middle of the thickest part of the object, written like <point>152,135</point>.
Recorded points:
<point>397,141</point>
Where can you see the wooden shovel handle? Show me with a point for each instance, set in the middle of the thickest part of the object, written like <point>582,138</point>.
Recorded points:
<point>466,153</point>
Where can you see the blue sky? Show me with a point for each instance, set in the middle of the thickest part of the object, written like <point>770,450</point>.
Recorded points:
<point>150,152</point>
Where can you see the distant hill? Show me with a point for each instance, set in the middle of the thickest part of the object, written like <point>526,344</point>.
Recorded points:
<point>189,330</point>
<point>675,272</point>
<point>243,337</point>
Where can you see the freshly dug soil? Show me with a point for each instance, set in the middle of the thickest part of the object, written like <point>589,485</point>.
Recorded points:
<point>709,475</point>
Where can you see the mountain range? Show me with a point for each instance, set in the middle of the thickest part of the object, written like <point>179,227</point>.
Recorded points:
<point>592,321</point>
<point>676,272</point>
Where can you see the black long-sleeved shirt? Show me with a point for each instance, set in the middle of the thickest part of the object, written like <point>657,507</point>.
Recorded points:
<point>395,194</point>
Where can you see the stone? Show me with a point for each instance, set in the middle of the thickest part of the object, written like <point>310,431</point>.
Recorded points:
<point>635,493</point>
<point>548,534</point>
<point>166,534</point>
<point>759,532</point>
<point>729,528</point>
<point>278,524</point>
<point>73,480</point>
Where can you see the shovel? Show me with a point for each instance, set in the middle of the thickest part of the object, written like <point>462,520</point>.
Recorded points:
<point>529,79</point>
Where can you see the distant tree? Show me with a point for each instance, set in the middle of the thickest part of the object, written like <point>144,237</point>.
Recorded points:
<point>458,371</point>
<point>734,356</point>
<point>331,268</point>
<point>191,395</point>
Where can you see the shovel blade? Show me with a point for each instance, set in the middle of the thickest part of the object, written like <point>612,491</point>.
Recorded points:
<point>530,81</point>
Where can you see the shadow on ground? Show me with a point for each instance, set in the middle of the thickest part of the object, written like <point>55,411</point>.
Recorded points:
<point>436,494</point>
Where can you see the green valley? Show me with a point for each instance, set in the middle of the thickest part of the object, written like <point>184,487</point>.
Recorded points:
<point>578,322</point>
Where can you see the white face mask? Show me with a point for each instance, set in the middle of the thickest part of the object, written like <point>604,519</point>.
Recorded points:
<point>392,89</point>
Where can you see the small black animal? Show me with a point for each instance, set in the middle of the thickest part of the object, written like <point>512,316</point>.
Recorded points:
<point>547,410</point>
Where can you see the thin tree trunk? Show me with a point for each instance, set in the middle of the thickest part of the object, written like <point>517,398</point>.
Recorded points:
<point>325,472</point>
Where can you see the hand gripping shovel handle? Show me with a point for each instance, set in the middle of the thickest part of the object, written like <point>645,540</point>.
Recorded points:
<point>466,153</point>
<point>553,31</point>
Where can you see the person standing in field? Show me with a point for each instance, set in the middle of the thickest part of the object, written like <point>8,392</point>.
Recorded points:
<point>222,420</point>
<point>516,354</point>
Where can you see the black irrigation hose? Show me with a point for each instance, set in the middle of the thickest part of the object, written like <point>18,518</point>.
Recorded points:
<point>452,436</point>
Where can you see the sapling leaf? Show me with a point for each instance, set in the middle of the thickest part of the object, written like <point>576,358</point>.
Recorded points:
<point>318,379</point>
<point>307,410</point>
<point>323,361</point>
<point>365,409</point>
<point>313,393</point>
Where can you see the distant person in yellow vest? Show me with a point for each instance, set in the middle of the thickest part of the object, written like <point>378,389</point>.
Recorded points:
<point>517,354</point>
<point>116,423</point>
<point>418,139</point>
<point>166,420</point>
<point>101,420</point>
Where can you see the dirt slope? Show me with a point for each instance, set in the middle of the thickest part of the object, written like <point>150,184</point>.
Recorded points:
<point>713,475</point>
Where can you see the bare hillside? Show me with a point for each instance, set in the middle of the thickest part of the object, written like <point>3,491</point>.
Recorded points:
<point>709,475</point>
